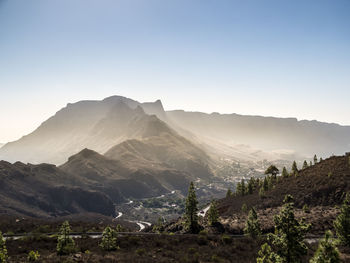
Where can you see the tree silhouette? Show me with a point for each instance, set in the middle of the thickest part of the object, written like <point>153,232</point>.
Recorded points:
<point>191,210</point>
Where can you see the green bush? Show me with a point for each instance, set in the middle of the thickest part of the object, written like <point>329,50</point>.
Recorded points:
<point>306,209</point>
<point>33,256</point>
<point>3,250</point>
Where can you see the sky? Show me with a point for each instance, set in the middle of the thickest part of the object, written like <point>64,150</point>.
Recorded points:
<point>283,58</point>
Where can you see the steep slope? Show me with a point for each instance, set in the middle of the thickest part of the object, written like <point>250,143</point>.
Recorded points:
<point>163,146</point>
<point>45,190</point>
<point>97,125</point>
<point>321,187</point>
<point>273,135</point>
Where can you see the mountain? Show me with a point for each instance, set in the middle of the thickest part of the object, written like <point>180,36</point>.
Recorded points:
<point>2,144</point>
<point>161,145</point>
<point>45,190</point>
<point>97,125</point>
<point>284,137</point>
<point>121,180</point>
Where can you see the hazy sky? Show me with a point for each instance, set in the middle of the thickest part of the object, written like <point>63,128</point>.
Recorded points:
<point>278,58</point>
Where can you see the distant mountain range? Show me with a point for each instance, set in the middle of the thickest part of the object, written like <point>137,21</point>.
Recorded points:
<point>99,125</point>
<point>112,150</point>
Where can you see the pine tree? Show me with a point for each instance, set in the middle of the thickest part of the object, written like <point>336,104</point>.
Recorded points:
<point>273,170</point>
<point>327,251</point>
<point>285,172</point>
<point>241,188</point>
<point>342,223</point>
<point>289,233</point>
<point>252,225</point>
<point>109,239</point>
<point>266,255</point>
<point>243,191</point>
<point>213,214</point>
<point>321,160</point>
<point>310,164</point>
<point>295,170</point>
<point>266,184</point>
<point>229,193</point>
<point>65,243</point>
<point>3,250</point>
<point>191,210</point>
<point>305,165</point>
<point>315,159</point>
<point>250,187</point>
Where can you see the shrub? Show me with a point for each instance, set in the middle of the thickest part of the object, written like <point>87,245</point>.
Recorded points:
<point>3,250</point>
<point>33,256</point>
<point>306,209</point>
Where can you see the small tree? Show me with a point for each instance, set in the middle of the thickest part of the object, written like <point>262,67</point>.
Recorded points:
<point>33,256</point>
<point>273,171</point>
<point>250,186</point>
<point>191,209</point>
<point>109,239</point>
<point>119,228</point>
<point>315,159</point>
<point>252,225</point>
<point>295,170</point>
<point>266,184</point>
<point>158,228</point>
<point>285,172</point>
<point>305,165</point>
<point>266,255</point>
<point>229,193</point>
<point>213,214</point>
<point>327,251</point>
<point>3,250</point>
<point>65,243</point>
<point>342,223</point>
<point>289,233</point>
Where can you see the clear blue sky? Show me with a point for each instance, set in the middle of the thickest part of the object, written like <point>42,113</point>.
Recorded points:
<point>273,57</point>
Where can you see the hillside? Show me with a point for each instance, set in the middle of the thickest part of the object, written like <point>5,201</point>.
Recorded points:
<point>321,187</point>
<point>121,180</point>
<point>44,190</point>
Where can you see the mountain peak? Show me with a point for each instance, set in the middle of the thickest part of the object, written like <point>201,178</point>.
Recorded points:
<point>84,154</point>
